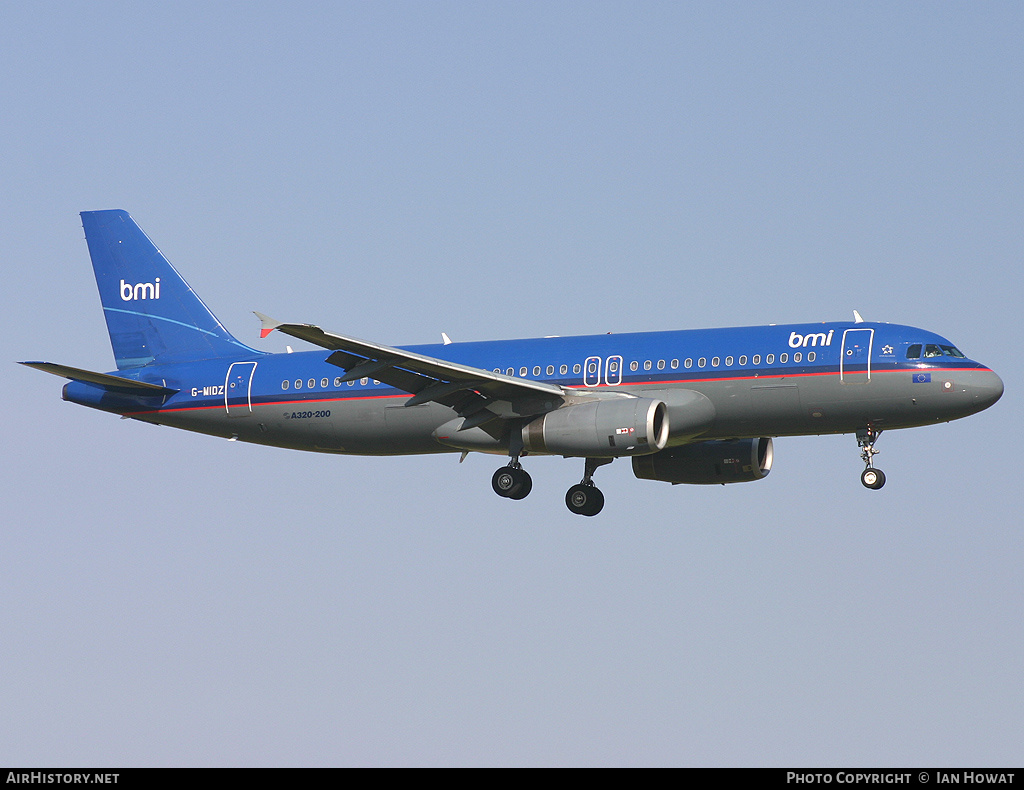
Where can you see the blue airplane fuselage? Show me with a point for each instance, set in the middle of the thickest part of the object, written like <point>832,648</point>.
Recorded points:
<point>298,400</point>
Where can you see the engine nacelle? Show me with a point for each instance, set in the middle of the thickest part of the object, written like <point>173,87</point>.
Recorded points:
<point>602,428</point>
<point>705,463</point>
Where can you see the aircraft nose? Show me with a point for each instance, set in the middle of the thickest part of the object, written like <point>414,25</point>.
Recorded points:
<point>987,388</point>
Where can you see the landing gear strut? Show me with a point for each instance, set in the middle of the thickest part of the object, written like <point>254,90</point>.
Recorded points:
<point>586,499</point>
<point>870,477</point>
<point>512,481</point>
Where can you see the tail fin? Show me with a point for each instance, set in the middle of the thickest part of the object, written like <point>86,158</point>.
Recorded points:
<point>152,313</point>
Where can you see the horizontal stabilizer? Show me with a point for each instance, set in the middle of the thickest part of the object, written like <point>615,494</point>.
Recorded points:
<point>105,380</point>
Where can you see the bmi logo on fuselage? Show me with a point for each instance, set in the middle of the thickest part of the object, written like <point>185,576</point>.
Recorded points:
<point>796,340</point>
<point>129,292</point>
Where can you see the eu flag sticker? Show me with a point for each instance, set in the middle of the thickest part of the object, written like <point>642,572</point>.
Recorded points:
<point>922,378</point>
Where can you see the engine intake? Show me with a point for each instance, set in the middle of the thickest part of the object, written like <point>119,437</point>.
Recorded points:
<point>705,463</point>
<point>603,428</point>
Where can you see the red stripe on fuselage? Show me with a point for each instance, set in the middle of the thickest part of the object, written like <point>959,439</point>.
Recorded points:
<point>579,387</point>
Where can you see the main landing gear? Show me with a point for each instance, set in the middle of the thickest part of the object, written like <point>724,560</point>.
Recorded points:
<point>512,481</point>
<point>870,477</point>
<point>586,499</point>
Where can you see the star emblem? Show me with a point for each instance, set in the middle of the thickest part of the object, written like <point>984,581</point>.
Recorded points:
<point>886,349</point>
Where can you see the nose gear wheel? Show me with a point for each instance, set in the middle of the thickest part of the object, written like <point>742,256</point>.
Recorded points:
<point>873,478</point>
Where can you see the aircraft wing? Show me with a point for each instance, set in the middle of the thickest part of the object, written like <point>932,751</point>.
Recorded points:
<point>477,394</point>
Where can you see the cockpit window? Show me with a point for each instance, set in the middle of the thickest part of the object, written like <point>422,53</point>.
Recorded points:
<point>932,350</point>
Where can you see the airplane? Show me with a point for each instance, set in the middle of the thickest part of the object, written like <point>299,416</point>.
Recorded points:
<point>690,406</point>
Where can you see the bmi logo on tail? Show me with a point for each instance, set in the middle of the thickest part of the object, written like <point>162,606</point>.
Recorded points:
<point>129,292</point>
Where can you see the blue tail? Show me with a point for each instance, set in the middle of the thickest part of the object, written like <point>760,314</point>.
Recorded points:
<point>152,314</point>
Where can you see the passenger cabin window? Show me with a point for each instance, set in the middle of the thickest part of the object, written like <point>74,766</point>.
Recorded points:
<point>536,370</point>
<point>634,365</point>
<point>551,370</point>
<point>714,362</point>
<point>661,364</point>
<point>728,362</point>
<point>647,364</point>
<point>675,364</point>
<point>688,363</point>
<point>757,359</point>
<point>743,360</point>
<point>577,368</point>
<point>783,358</point>
<point>770,359</point>
<point>285,384</point>
<point>811,356</point>
<point>563,369</point>
<point>797,356</point>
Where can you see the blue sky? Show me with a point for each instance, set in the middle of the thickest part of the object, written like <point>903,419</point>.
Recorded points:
<point>395,170</point>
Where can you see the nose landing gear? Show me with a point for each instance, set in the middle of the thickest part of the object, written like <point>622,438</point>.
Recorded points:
<point>870,477</point>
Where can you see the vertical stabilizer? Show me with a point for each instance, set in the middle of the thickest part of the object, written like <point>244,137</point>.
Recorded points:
<point>152,314</point>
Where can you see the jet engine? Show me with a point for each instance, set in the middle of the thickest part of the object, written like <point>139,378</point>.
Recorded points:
<point>732,461</point>
<point>602,428</point>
